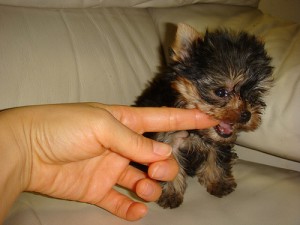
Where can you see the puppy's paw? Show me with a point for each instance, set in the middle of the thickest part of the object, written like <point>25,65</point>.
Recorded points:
<point>170,200</point>
<point>221,188</point>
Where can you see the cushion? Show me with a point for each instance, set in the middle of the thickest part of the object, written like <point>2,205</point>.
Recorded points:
<point>279,134</point>
<point>120,3</point>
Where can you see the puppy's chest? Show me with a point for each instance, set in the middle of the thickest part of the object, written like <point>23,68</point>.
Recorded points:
<point>192,150</point>
<point>188,148</point>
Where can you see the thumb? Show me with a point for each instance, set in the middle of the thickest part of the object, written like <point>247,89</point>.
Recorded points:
<point>131,145</point>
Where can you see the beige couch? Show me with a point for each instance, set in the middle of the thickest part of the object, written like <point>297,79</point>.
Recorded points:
<point>55,51</point>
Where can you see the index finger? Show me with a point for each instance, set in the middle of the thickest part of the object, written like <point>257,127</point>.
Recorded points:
<point>150,119</point>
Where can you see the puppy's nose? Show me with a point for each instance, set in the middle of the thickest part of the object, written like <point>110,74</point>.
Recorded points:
<point>245,116</point>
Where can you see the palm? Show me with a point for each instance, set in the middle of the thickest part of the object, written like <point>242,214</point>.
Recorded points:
<point>82,180</point>
<point>70,161</point>
<point>78,166</point>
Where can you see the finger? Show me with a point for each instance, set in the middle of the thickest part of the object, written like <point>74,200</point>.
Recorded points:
<point>165,170</point>
<point>137,181</point>
<point>122,206</point>
<point>161,119</point>
<point>130,144</point>
<point>148,190</point>
<point>130,177</point>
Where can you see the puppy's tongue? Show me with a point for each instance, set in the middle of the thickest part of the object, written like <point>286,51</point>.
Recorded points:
<point>224,129</point>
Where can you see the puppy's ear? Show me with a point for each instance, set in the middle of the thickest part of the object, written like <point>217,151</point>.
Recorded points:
<point>185,37</point>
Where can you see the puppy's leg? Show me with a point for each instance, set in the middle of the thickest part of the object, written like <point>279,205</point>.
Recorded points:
<point>173,191</point>
<point>215,173</point>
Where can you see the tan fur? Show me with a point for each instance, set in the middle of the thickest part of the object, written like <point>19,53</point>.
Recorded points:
<point>185,36</point>
<point>188,93</point>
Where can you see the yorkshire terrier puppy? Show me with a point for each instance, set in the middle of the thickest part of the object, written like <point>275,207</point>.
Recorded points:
<point>224,74</point>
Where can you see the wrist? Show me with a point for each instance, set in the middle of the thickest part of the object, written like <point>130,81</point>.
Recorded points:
<point>14,163</point>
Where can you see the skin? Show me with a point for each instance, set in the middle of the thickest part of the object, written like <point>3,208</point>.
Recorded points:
<point>81,151</point>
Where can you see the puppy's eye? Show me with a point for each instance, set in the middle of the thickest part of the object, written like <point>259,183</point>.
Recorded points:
<point>221,92</point>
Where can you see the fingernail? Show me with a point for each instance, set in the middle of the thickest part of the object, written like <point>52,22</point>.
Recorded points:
<point>158,173</point>
<point>148,190</point>
<point>162,149</point>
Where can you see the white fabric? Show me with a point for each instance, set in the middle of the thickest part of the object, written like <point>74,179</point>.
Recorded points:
<point>108,55</point>
<point>119,3</point>
<point>53,56</point>
<point>264,196</point>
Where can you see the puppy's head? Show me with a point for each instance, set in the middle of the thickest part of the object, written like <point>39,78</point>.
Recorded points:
<point>224,74</point>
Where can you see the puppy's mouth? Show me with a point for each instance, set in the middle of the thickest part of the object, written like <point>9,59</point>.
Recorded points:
<point>224,129</point>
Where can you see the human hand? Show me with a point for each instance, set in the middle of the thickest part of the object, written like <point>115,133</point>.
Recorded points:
<point>81,151</point>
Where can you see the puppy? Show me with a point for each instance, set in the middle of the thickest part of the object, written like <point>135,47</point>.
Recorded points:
<point>224,74</point>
